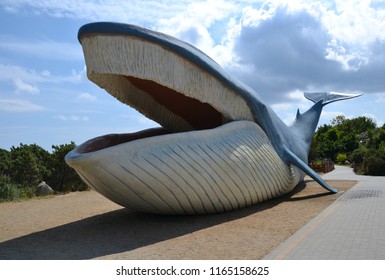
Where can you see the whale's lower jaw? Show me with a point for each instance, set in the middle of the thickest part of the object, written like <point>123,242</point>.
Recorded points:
<point>200,172</point>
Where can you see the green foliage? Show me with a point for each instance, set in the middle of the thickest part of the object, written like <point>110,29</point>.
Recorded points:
<point>11,191</point>
<point>64,178</point>
<point>374,162</point>
<point>374,166</point>
<point>24,167</point>
<point>381,147</point>
<point>379,138</point>
<point>5,162</point>
<point>358,155</point>
<point>343,136</point>
<point>354,126</point>
<point>326,137</point>
<point>28,164</point>
<point>358,140</point>
<point>341,158</point>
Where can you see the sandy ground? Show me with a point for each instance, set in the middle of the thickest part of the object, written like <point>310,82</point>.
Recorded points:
<point>86,225</point>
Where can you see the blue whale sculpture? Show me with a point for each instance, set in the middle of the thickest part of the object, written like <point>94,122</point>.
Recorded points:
<point>219,147</point>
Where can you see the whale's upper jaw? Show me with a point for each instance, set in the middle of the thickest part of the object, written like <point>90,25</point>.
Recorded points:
<point>164,79</point>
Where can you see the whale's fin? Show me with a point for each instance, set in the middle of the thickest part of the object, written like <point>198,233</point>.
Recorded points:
<point>305,168</point>
<point>328,97</point>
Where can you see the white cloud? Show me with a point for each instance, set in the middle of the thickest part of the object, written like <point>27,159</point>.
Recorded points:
<point>358,22</point>
<point>135,11</point>
<point>350,60</point>
<point>377,121</point>
<point>31,76</point>
<point>276,47</point>
<point>284,51</point>
<point>194,22</point>
<point>72,118</point>
<point>328,116</point>
<point>86,97</point>
<point>19,105</point>
<point>380,98</point>
<point>138,119</point>
<point>285,46</point>
<point>22,87</point>
<point>45,48</point>
<point>282,107</point>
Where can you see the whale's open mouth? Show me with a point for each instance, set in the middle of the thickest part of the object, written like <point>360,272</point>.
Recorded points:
<point>165,79</point>
<point>195,114</point>
<point>189,114</point>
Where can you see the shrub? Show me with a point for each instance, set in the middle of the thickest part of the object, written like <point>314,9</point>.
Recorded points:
<point>63,178</point>
<point>357,156</point>
<point>11,191</point>
<point>341,158</point>
<point>374,165</point>
<point>24,167</point>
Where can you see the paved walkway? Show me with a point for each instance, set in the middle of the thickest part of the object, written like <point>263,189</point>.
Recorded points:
<point>351,228</point>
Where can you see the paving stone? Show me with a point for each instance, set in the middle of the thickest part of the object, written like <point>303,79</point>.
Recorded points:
<point>351,228</point>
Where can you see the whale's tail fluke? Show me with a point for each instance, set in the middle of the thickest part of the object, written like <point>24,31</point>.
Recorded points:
<point>304,127</point>
<point>328,97</point>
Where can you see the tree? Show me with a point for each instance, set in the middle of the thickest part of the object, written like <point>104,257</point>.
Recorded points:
<point>355,125</point>
<point>374,162</point>
<point>64,178</point>
<point>313,153</point>
<point>327,138</point>
<point>358,155</point>
<point>5,162</point>
<point>379,138</point>
<point>343,136</point>
<point>358,139</point>
<point>341,158</point>
<point>24,166</point>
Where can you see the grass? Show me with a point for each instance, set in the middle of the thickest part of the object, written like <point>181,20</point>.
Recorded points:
<point>13,192</point>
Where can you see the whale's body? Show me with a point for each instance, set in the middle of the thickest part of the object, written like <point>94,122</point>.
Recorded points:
<point>220,146</point>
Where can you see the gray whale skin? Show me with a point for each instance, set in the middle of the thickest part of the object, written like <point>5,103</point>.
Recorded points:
<point>219,147</point>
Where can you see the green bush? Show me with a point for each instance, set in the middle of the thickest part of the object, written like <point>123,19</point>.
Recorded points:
<point>341,158</point>
<point>64,178</point>
<point>359,139</point>
<point>11,191</point>
<point>357,156</point>
<point>374,165</point>
<point>24,167</point>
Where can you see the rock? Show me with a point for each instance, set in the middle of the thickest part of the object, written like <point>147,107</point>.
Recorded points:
<point>44,189</point>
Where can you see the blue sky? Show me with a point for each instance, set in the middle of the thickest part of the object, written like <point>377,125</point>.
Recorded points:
<point>280,48</point>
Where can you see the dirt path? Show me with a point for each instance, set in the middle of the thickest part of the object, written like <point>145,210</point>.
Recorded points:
<point>88,226</point>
